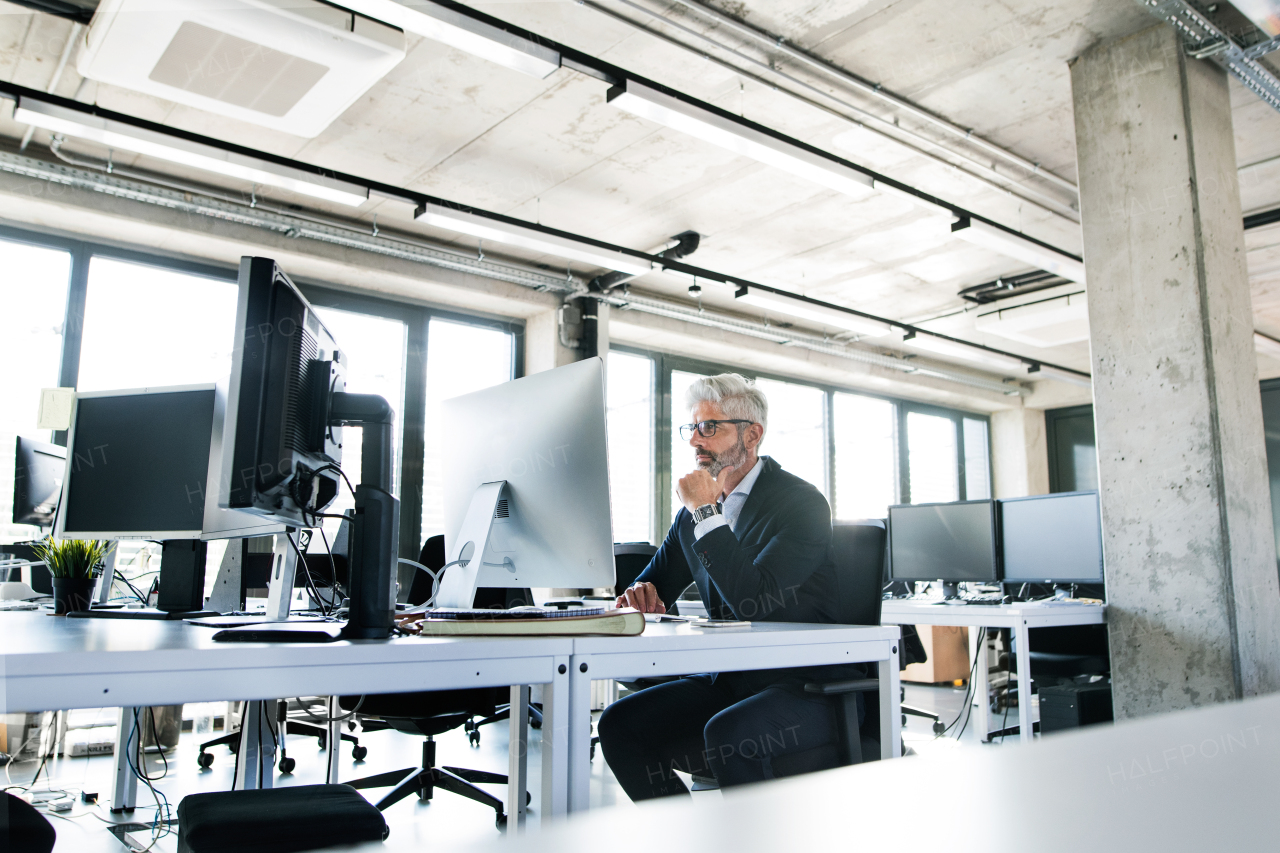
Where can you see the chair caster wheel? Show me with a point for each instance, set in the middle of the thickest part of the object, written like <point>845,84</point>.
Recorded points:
<point>359,752</point>
<point>593,753</point>
<point>528,798</point>
<point>351,725</point>
<point>535,724</point>
<point>474,737</point>
<point>234,746</point>
<point>939,728</point>
<point>502,823</point>
<point>322,740</point>
<point>287,765</point>
<point>205,759</point>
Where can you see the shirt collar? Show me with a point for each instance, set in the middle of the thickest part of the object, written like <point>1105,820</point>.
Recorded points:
<point>749,481</point>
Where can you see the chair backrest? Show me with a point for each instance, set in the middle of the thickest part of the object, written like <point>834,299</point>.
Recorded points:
<point>629,560</point>
<point>858,550</point>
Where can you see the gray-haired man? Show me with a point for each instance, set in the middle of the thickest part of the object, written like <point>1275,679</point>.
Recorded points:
<point>756,541</point>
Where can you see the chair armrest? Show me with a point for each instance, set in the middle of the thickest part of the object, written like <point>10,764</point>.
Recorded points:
<point>835,688</point>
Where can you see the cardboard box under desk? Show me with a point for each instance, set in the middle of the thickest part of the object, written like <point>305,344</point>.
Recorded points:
<point>948,650</point>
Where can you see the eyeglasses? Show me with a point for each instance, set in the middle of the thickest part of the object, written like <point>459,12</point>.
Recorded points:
<point>706,429</point>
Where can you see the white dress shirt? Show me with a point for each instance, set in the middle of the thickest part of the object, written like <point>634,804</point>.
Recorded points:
<point>732,504</point>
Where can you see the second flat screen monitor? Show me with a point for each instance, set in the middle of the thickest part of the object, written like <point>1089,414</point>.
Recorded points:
<point>952,542</point>
<point>1052,539</point>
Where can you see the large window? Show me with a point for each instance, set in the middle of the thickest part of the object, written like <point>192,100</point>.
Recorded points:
<point>865,453</point>
<point>461,358</point>
<point>33,291</point>
<point>137,320</point>
<point>864,433</point>
<point>631,427</point>
<point>149,325</point>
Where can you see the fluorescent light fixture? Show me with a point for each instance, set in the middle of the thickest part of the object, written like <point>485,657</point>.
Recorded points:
<point>452,27</point>
<point>1047,323</point>
<point>1016,246</point>
<point>1266,345</point>
<point>117,134</point>
<point>1046,372</point>
<point>533,239</point>
<point>784,304</point>
<point>645,102</point>
<point>951,349</point>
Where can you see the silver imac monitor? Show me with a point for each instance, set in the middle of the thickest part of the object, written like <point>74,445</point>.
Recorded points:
<point>1052,539</point>
<point>526,485</point>
<point>140,465</point>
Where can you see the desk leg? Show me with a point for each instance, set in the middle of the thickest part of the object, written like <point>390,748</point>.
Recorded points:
<point>580,734</point>
<point>1022,638</point>
<point>891,704</point>
<point>981,682</point>
<point>333,744</point>
<point>555,743</point>
<point>255,762</point>
<point>518,758</point>
<point>124,784</point>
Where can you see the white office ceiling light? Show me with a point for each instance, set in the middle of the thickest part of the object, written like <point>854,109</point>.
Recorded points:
<point>821,314</point>
<point>964,352</point>
<point>1047,323</point>
<point>442,24</point>
<point>512,234</point>
<point>1021,248</point>
<point>290,65</point>
<point>127,137</point>
<point>649,103</point>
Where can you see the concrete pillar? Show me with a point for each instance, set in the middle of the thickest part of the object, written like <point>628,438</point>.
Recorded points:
<point>1190,561</point>
<point>1019,454</point>
<point>543,349</point>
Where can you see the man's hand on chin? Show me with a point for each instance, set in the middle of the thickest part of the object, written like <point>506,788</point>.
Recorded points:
<point>643,597</point>
<point>699,488</point>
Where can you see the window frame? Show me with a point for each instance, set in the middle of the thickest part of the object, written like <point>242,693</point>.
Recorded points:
<point>415,315</point>
<point>665,363</point>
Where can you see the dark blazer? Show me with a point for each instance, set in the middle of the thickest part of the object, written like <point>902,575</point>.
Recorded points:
<point>776,566</point>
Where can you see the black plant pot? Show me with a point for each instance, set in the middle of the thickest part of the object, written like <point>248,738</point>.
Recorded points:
<point>72,594</point>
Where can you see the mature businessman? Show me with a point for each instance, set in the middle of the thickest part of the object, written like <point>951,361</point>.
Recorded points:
<point>756,540</point>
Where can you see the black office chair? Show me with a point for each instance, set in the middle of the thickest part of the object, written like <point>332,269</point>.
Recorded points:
<point>435,712</point>
<point>22,828</point>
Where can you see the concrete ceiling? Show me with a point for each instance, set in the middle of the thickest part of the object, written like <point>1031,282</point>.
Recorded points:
<point>452,125</point>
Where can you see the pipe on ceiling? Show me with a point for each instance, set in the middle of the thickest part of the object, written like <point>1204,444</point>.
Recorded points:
<point>686,244</point>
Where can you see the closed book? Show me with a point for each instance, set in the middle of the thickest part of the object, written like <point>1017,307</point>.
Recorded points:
<point>619,623</point>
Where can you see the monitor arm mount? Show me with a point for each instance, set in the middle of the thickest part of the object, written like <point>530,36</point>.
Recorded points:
<point>376,525</point>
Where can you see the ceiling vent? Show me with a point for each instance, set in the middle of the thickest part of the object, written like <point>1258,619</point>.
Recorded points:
<point>1047,323</point>
<point>290,65</point>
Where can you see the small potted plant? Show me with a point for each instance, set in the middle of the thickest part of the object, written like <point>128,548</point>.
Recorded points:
<point>73,565</point>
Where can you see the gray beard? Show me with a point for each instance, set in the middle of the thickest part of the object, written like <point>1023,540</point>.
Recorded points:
<point>734,457</point>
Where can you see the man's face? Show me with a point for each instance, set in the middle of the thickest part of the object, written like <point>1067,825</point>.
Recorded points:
<point>721,450</point>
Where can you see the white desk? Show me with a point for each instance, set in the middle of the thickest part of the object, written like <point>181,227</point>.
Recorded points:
<point>53,663</point>
<point>1192,780</point>
<point>678,649</point>
<point>1019,618</point>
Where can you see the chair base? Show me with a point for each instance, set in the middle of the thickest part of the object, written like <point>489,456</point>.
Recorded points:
<point>424,781</point>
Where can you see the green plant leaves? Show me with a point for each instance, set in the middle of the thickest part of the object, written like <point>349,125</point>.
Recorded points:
<point>73,558</point>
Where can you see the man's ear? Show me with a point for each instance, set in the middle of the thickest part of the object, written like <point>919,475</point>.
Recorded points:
<point>753,437</point>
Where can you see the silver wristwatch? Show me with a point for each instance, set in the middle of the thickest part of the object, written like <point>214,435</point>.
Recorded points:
<point>704,512</point>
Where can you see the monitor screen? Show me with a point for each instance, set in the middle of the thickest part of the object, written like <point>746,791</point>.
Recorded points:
<point>952,542</point>
<point>137,465</point>
<point>37,481</point>
<point>1052,539</point>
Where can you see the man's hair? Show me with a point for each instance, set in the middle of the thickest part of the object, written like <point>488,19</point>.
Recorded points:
<point>736,395</point>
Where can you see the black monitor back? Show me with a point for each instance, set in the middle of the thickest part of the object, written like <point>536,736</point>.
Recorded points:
<point>37,481</point>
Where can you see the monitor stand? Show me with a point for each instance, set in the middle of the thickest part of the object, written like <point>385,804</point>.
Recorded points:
<point>466,554</point>
<point>950,589</point>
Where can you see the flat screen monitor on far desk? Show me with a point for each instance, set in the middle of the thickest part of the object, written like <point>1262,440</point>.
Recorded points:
<point>948,542</point>
<point>138,467</point>
<point>1052,539</point>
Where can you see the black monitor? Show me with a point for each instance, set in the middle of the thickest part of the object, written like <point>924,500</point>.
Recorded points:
<point>282,451</point>
<point>1052,539</point>
<point>948,542</point>
<point>138,466</point>
<point>281,454</point>
<point>37,481</point>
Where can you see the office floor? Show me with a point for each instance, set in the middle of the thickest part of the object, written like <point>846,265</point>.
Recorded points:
<point>446,821</point>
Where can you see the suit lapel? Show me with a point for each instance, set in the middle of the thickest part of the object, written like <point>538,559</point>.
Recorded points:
<point>758,498</point>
